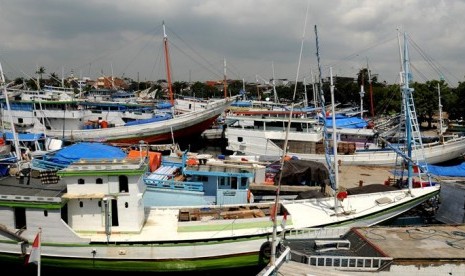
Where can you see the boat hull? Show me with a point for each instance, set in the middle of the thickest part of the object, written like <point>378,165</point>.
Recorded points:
<point>181,126</point>
<point>218,245</point>
<point>264,146</point>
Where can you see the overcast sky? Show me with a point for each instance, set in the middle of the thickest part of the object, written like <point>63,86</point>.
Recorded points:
<point>125,38</point>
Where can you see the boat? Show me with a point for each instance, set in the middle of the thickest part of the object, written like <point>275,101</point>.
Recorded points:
<point>378,250</point>
<point>334,238</point>
<point>262,133</point>
<point>92,216</point>
<point>74,121</point>
<point>191,179</point>
<point>157,129</point>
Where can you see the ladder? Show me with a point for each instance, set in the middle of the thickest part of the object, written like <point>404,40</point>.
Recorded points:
<point>413,151</point>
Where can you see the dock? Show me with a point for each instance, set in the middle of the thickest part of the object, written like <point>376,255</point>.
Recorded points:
<point>421,250</point>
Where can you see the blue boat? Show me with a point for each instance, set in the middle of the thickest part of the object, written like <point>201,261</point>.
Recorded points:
<point>192,180</point>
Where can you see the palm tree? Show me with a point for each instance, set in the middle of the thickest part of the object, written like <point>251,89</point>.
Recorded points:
<point>40,71</point>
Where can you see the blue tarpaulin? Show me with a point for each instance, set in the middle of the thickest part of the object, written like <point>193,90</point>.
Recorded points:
<point>242,103</point>
<point>438,170</point>
<point>452,171</point>
<point>347,122</point>
<point>78,151</point>
<point>163,105</point>
<point>25,137</point>
<point>156,118</point>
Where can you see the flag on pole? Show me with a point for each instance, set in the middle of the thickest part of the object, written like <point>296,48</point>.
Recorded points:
<point>34,255</point>
<point>273,212</point>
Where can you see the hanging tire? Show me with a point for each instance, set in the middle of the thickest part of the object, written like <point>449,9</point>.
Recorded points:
<point>265,252</point>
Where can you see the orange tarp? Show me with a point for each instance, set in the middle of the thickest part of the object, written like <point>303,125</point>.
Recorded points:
<point>154,158</point>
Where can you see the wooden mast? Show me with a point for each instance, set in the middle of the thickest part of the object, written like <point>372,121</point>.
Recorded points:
<point>168,67</point>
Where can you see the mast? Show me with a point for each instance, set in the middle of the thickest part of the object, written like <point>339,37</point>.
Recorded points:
<point>258,91</point>
<point>10,117</point>
<point>305,94</point>
<point>372,109</point>
<point>362,93</point>
<point>315,101</point>
<point>322,103</point>
<point>412,129</point>
<point>225,81</point>
<point>168,66</point>
<point>275,94</point>
<point>335,165</point>
<point>274,214</point>
<point>441,130</point>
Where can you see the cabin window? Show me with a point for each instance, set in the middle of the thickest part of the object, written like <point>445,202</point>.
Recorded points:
<point>81,204</point>
<point>45,213</point>
<point>20,120</point>
<point>243,182</point>
<point>222,181</point>
<point>99,181</point>
<point>233,182</point>
<point>81,181</point>
<point>240,139</point>
<point>123,184</point>
<point>126,205</point>
<point>99,203</point>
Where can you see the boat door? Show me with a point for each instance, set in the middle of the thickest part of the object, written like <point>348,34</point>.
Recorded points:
<point>20,218</point>
<point>114,212</point>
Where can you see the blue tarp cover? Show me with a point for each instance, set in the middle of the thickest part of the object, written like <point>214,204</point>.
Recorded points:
<point>347,122</point>
<point>437,170</point>
<point>78,151</point>
<point>163,105</point>
<point>155,118</point>
<point>26,137</point>
<point>452,171</point>
<point>242,104</point>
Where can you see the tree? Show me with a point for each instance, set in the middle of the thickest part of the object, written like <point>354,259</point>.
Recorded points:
<point>199,89</point>
<point>456,102</point>
<point>40,71</point>
<point>54,80</point>
<point>387,100</point>
<point>234,87</point>
<point>427,99</point>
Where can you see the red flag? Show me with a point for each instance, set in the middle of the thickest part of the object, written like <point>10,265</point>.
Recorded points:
<point>273,212</point>
<point>34,256</point>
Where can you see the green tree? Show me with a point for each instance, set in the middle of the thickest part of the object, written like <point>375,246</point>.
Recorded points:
<point>54,80</point>
<point>456,102</point>
<point>199,89</point>
<point>234,87</point>
<point>40,71</point>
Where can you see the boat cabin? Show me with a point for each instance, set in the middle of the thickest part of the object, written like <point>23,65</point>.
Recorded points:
<point>201,180</point>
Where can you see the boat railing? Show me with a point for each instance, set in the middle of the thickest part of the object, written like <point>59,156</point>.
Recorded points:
<point>317,233</point>
<point>30,198</point>
<point>174,185</point>
<point>348,262</point>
